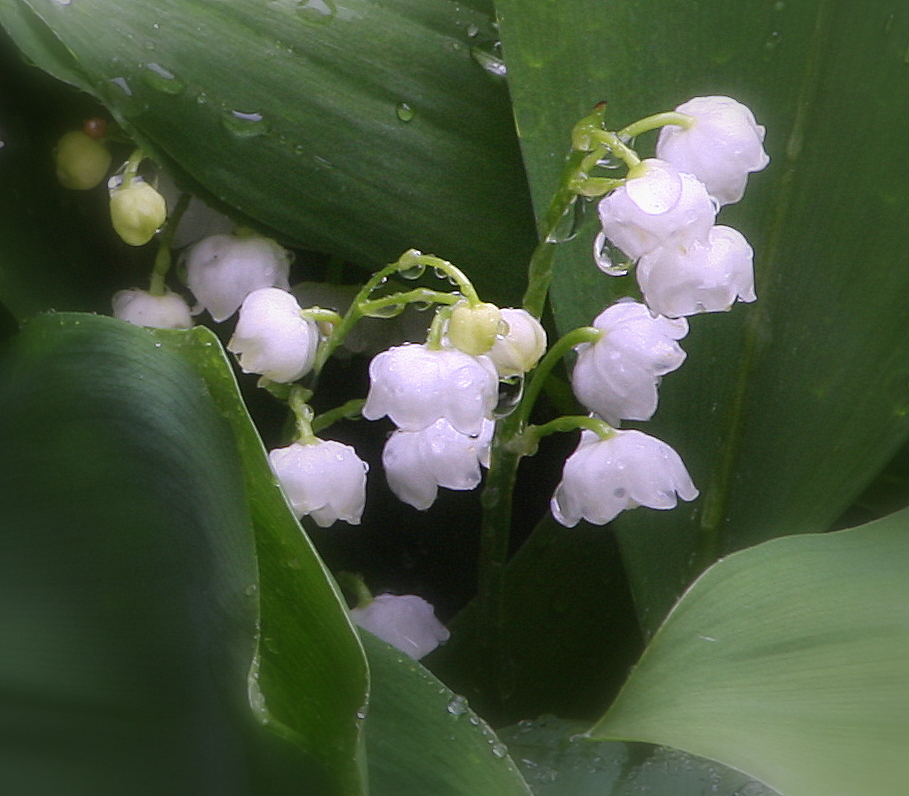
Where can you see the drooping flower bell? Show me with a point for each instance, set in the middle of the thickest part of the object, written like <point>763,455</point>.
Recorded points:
<point>416,385</point>
<point>657,205</point>
<point>405,621</point>
<point>324,479</point>
<point>604,477</point>
<point>272,339</point>
<point>141,308</point>
<point>417,463</point>
<point>521,346</point>
<point>222,270</point>
<point>698,277</point>
<point>721,147</point>
<point>617,376</point>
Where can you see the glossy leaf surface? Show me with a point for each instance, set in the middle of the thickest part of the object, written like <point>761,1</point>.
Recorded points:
<point>357,127</point>
<point>787,661</point>
<point>786,407</point>
<point>422,738</point>
<point>558,760</point>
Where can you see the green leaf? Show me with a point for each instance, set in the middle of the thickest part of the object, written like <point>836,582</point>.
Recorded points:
<point>558,761</point>
<point>787,661</point>
<point>126,556</point>
<point>785,408</point>
<point>566,587</point>
<point>309,678</point>
<point>358,127</point>
<point>167,626</point>
<point>421,738</point>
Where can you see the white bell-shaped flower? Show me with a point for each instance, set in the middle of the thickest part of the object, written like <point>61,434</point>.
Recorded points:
<point>272,339</point>
<point>417,463</point>
<point>721,147</point>
<point>222,270</point>
<point>415,386</point>
<point>617,376</point>
<point>699,277</point>
<point>141,308</point>
<point>604,477</point>
<point>324,479</point>
<point>405,621</point>
<point>657,204</point>
<point>521,346</point>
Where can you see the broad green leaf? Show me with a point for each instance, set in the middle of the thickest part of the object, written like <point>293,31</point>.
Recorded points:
<point>357,127</point>
<point>421,738</point>
<point>568,631</point>
<point>787,661</point>
<point>131,470</point>
<point>310,679</point>
<point>557,760</point>
<point>126,560</point>
<point>785,408</point>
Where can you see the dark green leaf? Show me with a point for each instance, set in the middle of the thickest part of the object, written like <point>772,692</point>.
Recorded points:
<point>785,408</point>
<point>787,661</point>
<point>126,561</point>
<point>421,738</point>
<point>358,127</point>
<point>558,761</point>
<point>310,679</point>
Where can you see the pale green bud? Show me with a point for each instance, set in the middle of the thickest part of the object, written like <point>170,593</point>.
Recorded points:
<point>137,212</point>
<point>473,328</point>
<point>82,162</point>
<point>520,348</point>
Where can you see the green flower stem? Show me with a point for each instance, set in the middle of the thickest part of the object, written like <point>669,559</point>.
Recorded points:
<point>533,434</point>
<point>617,147</point>
<point>165,237</point>
<point>356,586</point>
<point>346,410</point>
<point>132,168</point>
<point>539,272</point>
<point>574,338</point>
<point>437,329</point>
<point>362,304</point>
<point>653,122</point>
<point>303,414</point>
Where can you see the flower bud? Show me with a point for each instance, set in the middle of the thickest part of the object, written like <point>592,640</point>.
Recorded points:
<point>141,308</point>
<point>520,348</point>
<point>137,211</point>
<point>472,328</point>
<point>82,162</point>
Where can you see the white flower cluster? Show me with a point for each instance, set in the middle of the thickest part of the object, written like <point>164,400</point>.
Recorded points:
<point>663,216</point>
<point>442,399</point>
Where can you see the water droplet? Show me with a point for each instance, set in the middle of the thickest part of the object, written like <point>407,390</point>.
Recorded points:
<point>388,311</point>
<point>245,124</point>
<point>202,98</point>
<point>773,40</point>
<point>490,58</point>
<point>475,720</point>
<point>320,12</point>
<point>510,392</point>
<point>64,2</point>
<point>472,30</point>
<point>149,45</point>
<point>404,112</point>
<point>120,82</point>
<point>779,5</point>
<point>361,714</point>
<point>252,590</point>
<point>414,272</point>
<point>570,222</point>
<point>888,25</point>
<point>271,644</point>
<point>499,749</point>
<point>162,79</point>
<point>609,259</point>
<point>457,706</point>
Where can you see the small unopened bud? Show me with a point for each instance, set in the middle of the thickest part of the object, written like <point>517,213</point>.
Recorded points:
<point>82,162</point>
<point>137,212</point>
<point>473,328</point>
<point>520,348</point>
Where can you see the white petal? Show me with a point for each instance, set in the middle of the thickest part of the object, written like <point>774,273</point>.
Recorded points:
<point>405,621</point>
<point>141,308</point>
